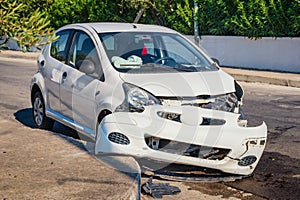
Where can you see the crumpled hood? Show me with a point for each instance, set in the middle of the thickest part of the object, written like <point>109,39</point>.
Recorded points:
<point>182,84</point>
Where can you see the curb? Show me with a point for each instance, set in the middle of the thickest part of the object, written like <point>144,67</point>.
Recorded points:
<point>274,78</point>
<point>270,80</point>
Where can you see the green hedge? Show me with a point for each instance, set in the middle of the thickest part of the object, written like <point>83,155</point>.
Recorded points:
<point>252,18</point>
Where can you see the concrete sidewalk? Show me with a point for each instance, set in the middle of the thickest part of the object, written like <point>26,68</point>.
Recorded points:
<point>19,54</point>
<point>274,78</point>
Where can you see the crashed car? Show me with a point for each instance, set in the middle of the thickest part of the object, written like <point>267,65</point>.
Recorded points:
<point>145,91</point>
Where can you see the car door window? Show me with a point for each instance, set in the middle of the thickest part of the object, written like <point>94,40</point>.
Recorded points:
<point>59,48</point>
<point>83,48</point>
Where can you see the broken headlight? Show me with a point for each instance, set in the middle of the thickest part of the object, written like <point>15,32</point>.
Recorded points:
<point>135,99</point>
<point>227,102</point>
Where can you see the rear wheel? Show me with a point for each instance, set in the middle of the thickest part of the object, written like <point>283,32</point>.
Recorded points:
<point>39,116</point>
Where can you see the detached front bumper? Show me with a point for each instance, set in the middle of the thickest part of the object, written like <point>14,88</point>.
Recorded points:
<point>227,146</point>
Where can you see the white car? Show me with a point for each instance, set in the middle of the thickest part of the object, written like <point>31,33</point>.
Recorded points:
<point>148,92</point>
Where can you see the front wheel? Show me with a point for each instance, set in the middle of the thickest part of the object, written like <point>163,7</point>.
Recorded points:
<point>39,116</point>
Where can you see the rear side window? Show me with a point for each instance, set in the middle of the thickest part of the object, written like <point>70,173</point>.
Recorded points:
<point>59,48</point>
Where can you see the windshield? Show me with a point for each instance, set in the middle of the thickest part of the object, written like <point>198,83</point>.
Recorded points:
<point>138,52</point>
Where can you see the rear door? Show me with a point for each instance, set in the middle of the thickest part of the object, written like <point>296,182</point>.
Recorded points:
<point>53,65</point>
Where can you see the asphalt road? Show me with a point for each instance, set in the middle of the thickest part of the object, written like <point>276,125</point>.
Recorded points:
<point>39,164</point>
<point>276,177</point>
<point>278,173</point>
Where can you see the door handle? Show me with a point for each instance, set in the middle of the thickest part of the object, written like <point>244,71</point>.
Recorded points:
<point>64,77</point>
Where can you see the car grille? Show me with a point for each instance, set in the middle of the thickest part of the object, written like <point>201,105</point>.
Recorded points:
<point>176,117</point>
<point>227,102</point>
<point>185,149</point>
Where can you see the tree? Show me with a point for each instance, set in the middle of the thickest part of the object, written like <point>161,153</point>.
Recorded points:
<point>252,18</point>
<point>104,10</point>
<point>176,14</point>
<point>28,31</point>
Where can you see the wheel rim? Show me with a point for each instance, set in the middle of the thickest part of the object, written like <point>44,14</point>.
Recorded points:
<point>38,111</point>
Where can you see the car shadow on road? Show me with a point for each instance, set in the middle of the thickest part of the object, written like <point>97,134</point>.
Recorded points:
<point>24,116</point>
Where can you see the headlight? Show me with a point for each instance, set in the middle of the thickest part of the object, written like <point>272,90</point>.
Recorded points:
<point>135,99</point>
<point>226,103</point>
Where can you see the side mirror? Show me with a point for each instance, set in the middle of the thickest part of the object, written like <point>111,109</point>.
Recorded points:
<point>86,66</point>
<point>216,60</point>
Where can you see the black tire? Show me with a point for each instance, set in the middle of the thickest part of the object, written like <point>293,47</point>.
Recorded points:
<point>38,111</point>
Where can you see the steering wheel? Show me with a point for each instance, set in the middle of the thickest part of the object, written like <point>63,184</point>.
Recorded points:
<point>165,58</point>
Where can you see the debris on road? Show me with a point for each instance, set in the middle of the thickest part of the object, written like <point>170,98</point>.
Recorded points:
<point>157,190</point>
<point>185,173</point>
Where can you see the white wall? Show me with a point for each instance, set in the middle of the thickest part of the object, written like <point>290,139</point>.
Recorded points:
<point>281,54</point>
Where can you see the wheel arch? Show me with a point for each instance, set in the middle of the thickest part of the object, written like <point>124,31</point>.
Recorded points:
<point>35,88</point>
<point>38,84</point>
<point>103,113</point>
<point>40,120</point>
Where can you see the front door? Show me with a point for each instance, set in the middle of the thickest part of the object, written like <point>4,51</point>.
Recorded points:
<point>78,91</point>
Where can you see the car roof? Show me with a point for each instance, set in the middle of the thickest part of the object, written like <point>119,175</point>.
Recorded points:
<point>101,27</point>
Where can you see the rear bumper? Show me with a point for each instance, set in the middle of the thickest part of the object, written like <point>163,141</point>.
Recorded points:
<point>128,134</point>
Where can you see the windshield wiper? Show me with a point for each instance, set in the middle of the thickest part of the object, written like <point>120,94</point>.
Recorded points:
<point>191,69</point>
<point>154,65</point>
<point>169,68</point>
